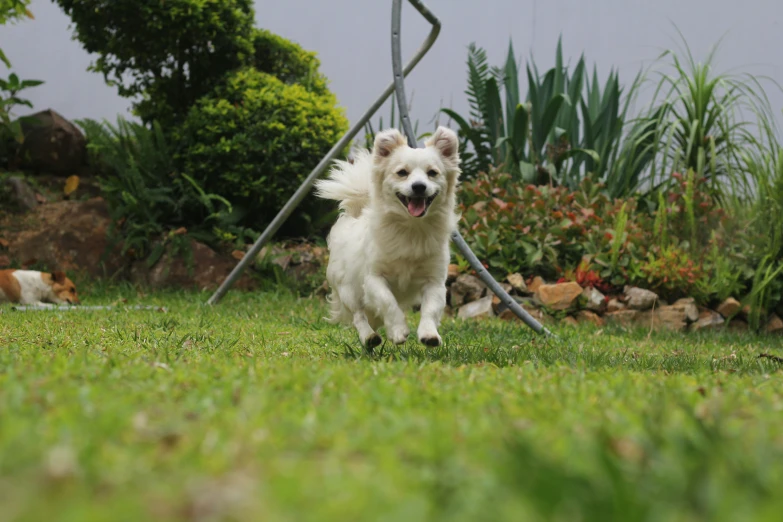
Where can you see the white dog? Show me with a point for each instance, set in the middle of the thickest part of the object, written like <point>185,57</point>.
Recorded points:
<point>389,249</point>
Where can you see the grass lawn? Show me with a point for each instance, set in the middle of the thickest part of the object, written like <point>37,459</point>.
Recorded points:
<point>259,410</point>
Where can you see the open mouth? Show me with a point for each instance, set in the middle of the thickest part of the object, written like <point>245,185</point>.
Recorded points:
<point>417,206</point>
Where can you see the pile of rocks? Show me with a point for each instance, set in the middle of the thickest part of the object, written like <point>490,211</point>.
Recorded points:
<point>633,308</point>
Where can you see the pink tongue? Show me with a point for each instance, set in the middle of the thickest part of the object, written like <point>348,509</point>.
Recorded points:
<point>416,206</point>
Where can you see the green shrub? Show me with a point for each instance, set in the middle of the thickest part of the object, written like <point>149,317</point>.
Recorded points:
<point>706,121</point>
<point>287,61</point>
<point>255,139</point>
<point>150,202</point>
<point>689,246</point>
<point>10,129</point>
<point>164,55</point>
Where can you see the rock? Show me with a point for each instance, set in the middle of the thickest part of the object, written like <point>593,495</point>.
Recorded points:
<point>496,303</point>
<point>52,144</point>
<point>538,315</point>
<point>708,320</point>
<point>729,308</point>
<point>615,305</point>
<point>569,321</point>
<point>208,270</point>
<point>639,298</point>
<point>68,235</point>
<point>586,316</point>
<point>475,309</point>
<point>517,282</point>
<point>738,326</point>
<point>774,325</point>
<point>687,305</point>
<point>670,318</point>
<point>21,194</point>
<point>467,288</point>
<point>525,302</point>
<point>535,284</point>
<point>559,297</point>
<point>595,301</point>
<point>625,318</point>
<point>452,273</point>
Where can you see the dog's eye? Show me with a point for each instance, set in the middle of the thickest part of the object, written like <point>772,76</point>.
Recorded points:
<point>402,173</point>
<point>432,173</point>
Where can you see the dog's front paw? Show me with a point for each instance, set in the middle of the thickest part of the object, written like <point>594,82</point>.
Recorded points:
<point>431,340</point>
<point>398,334</point>
<point>372,341</point>
<point>428,334</point>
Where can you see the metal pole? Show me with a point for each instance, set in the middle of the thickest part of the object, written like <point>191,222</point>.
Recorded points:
<point>307,184</point>
<point>462,246</point>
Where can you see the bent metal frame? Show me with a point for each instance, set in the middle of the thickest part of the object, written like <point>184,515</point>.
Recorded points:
<point>398,87</point>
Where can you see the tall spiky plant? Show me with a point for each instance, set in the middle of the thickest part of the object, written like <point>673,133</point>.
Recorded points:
<point>706,121</point>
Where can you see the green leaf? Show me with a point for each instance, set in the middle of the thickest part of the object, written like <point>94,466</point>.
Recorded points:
<point>549,116</point>
<point>520,130</point>
<point>4,59</point>
<point>511,86</point>
<point>527,171</point>
<point>494,121</point>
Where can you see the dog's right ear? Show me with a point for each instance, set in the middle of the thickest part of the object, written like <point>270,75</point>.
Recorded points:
<point>386,142</point>
<point>58,277</point>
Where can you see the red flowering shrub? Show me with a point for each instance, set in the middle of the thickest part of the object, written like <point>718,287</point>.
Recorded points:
<point>683,248</point>
<point>550,231</point>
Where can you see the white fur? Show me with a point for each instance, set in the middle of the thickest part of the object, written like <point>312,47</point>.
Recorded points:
<point>34,290</point>
<point>383,260</point>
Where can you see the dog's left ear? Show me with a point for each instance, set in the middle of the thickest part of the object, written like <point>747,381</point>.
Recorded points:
<point>386,142</point>
<point>58,277</point>
<point>446,142</point>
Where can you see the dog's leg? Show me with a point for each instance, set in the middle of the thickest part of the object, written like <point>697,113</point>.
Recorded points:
<point>433,301</point>
<point>353,303</point>
<point>367,335</point>
<point>380,298</point>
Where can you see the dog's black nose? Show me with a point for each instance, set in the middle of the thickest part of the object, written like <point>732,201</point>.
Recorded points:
<point>419,188</point>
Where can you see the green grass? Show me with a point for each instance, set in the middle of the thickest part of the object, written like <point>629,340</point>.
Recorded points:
<point>259,410</point>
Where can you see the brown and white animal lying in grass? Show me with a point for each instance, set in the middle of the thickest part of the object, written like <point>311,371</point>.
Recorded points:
<point>30,287</point>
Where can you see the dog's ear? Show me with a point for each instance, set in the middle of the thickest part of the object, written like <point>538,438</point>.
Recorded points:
<point>58,277</point>
<point>446,142</point>
<point>386,142</point>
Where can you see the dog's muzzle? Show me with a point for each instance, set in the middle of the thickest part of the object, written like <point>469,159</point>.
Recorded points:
<point>417,206</point>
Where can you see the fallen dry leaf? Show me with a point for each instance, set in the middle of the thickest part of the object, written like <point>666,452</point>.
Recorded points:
<point>237,254</point>
<point>71,184</point>
<point>181,231</point>
<point>4,243</point>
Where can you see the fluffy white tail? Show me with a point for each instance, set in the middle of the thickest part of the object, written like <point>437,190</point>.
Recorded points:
<point>348,183</point>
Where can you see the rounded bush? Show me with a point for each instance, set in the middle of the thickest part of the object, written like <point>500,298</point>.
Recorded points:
<point>254,140</point>
<point>287,61</point>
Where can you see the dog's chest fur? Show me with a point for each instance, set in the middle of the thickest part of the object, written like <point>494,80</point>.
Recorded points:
<point>410,255</point>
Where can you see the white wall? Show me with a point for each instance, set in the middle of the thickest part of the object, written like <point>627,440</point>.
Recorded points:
<point>352,39</point>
